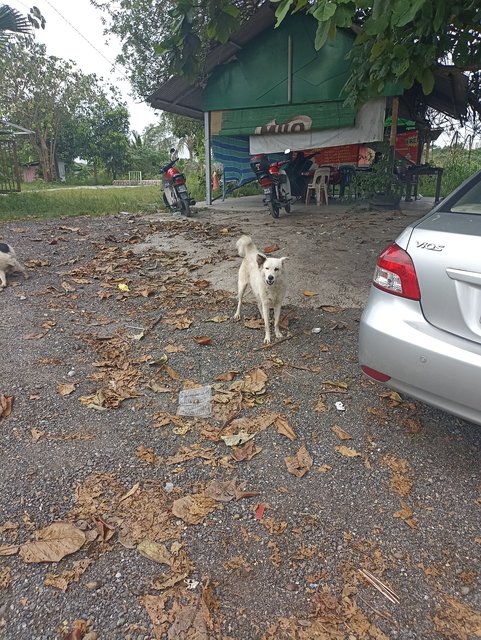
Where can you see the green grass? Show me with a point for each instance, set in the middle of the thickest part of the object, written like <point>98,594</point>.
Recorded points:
<point>79,201</point>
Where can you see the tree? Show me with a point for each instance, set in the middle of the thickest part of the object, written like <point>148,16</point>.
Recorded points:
<point>142,25</point>
<point>103,137</point>
<point>59,104</point>
<point>148,152</point>
<point>14,22</point>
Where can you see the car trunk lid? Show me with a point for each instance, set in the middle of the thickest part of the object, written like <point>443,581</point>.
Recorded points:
<point>446,251</point>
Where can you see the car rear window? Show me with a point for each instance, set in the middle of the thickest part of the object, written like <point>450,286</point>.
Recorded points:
<point>466,201</point>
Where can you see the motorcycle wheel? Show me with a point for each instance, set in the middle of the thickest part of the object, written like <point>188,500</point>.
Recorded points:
<point>273,209</point>
<point>185,206</point>
<point>288,208</point>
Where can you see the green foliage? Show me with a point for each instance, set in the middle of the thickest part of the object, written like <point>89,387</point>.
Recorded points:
<point>71,114</point>
<point>401,41</point>
<point>74,202</point>
<point>160,37</point>
<point>458,163</point>
<point>380,180</point>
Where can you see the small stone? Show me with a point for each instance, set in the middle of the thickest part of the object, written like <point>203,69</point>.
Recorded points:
<point>91,635</point>
<point>465,591</point>
<point>291,586</point>
<point>91,586</point>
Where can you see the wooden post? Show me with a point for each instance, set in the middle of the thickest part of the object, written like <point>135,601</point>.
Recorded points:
<point>208,168</point>
<point>394,119</point>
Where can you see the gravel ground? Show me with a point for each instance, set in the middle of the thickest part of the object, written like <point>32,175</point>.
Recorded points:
<point>170,532</point>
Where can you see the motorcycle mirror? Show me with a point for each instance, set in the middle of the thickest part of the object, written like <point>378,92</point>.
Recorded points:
<point>172,150</point>
<point>287,151</point>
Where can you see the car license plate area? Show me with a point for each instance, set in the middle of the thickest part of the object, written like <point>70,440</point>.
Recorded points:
<point>181,188</point>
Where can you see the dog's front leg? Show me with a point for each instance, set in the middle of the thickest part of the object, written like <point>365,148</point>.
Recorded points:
<point>3,280</point>
<point>265,316</point>
<point>277,317</point>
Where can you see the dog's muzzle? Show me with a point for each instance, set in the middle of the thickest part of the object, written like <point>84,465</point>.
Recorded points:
<point>270,280</point>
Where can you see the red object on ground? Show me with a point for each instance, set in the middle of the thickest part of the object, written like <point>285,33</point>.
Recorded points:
<point>260,511</point>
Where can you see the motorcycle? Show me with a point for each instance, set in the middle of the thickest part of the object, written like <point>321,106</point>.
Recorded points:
<point>275,183</point>
<point>176,197</point>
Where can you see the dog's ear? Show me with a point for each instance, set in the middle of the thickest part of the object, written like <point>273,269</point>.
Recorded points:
<point>284,258</point>
<point>260,259</point>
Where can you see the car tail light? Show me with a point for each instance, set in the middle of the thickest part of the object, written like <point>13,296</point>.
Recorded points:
<point>377,375</point>
<point>395,273</point>
<point>265,182</point>
<point>179,180</point>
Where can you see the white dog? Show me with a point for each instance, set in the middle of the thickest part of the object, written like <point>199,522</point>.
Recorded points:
<point>266,277</point>
<point>8,262</point>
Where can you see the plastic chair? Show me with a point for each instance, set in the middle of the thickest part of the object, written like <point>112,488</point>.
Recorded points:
<point>318,186</point>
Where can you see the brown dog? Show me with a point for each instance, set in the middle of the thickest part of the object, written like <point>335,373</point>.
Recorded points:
<point>9,263</point>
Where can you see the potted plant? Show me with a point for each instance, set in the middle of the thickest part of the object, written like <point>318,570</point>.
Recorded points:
<point>380,185</point>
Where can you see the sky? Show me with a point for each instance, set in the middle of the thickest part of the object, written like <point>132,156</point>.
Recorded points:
<point>74,31</point>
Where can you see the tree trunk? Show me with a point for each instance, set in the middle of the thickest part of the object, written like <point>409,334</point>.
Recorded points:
<point>44,159</point>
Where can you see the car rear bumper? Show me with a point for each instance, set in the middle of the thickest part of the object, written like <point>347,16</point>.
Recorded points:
<point>427,363</point>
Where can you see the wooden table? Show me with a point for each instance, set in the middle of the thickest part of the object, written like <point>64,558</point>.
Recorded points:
<point>411,178</point>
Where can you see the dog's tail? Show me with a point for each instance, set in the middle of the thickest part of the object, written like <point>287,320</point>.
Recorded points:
<point>245,245</point>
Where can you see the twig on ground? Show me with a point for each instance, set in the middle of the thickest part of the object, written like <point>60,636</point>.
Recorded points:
<point>384,615</point>
<point>380,586</point>
<point>274,344</point>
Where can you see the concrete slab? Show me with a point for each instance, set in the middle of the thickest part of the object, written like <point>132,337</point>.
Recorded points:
<point>332,249</point>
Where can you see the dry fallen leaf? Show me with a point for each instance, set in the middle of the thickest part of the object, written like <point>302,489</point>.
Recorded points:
<point>237,439</point>
<point>192,509</point>
<point>324,468</point>
<point>321,406</point>
<point>406,515</point>
<point>53,543</point>
<point>340,433</point>
<point>283,427</point>
<point>246,452</point>
<point>299,464</point>
<point>457,620</point>
<point>309,294</point>
<point>63,580</point>
<point>271,248</point>
<point>8,549</point>
<point>254,323</point>
<point>330,309</point>
<point>227,377</point>
<point>5,581</point>
<point>218,319</point>
<point>203,340</point>
<point>154,551</point>
<point>37,434</point>
<point>6,403</point>
<point>147,455</point>
<point>347,451</point>
<point>66,388</point>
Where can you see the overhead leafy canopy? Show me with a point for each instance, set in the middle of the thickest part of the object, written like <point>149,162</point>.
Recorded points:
<point>397,40</point>
<point>161,37</point>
